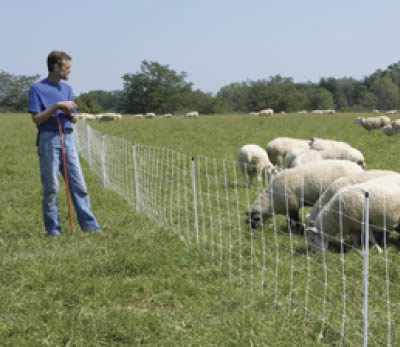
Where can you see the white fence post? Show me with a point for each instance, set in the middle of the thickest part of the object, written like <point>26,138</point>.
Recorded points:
<point>137,190</point>
<point>196,220</point>
<point>366,255</point>
<point>88,144</point>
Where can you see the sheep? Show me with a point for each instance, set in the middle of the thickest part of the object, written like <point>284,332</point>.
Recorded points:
<point>150,115</point>
<point>253,114</point>
<point>291,156</point>
<point>139,116</point>
<point>253,161</point>
<point>338,150</point>
<point>108,117</point>
<point>278,147</point>
<point>392,129</point>
<point>302,112</point>
<point>391,111</point>
<point>384,209</point>
<point>291,183</point>
<point>356,178</point>
<point>371,123</point>
<point>266,112</point>
<point>193,114</point>
<point>167,115</point>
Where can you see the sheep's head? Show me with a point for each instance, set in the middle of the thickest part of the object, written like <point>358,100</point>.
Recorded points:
<point>254,218</point>
<point>317,242</point>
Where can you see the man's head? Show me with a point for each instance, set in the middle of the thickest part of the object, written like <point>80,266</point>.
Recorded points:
<point>59,64</point>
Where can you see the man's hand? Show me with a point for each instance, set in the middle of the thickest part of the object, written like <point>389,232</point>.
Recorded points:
<point>66,106</point>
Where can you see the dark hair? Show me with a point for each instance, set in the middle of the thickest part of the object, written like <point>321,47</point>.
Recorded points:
<point>56,57</point>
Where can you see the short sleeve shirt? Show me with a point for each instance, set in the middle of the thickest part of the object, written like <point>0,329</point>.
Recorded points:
<point>44,94</point>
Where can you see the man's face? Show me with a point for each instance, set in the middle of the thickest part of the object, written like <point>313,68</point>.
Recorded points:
<point>64,70</point>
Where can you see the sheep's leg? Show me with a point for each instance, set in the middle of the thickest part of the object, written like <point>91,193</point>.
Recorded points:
<point>372,241</point>
<point>294,220</point>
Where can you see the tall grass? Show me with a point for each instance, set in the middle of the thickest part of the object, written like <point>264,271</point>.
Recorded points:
<point>137,283</point>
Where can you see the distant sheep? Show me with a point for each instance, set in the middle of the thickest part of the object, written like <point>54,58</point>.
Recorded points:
<point>108,117</point>
<point>193,114</point>
<point>392,129</point>
<point>384,209</point>
<point>266,112</point>
<point>167,115</point>
<point>150,115</point>
<point>278,147</point>
<point>371,123</point>
<point>290,183</point>
<point>253,161</point>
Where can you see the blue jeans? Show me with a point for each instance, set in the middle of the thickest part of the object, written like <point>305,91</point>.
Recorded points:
<point>50,158</point>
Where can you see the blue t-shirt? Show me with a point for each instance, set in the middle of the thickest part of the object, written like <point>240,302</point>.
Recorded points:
<point>44,94</point>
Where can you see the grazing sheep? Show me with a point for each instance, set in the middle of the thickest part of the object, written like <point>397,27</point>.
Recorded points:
<point>371,123</point>
<point>278,147</point>
<point>253,113</point>
<point>266,112</point>
<point>193,114</point>
<point>340,183</point>
<point>253,161</point>
<point>290,184</point>
<point>167,115</point>
<point>392,112</point>
<point>384,209</point>
<point>150,115</point>
<point>139,116</point>
<point>291,156</point>
<point>108,117</point>
<point>338,150</point>
<point>392,129</point>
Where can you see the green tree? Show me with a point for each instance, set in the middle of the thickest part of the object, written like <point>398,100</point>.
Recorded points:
<point>108,100</point>
<point>87,104</point>
<point>320,98</point>
<point>155,88</point>
<point>14,91</point>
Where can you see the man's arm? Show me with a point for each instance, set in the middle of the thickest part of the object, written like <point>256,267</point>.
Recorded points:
<point>66,106</point>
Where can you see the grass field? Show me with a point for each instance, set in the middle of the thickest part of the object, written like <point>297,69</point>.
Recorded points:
<point>138,283</point>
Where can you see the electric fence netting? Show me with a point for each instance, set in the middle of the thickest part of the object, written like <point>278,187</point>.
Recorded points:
<point>204,200</point>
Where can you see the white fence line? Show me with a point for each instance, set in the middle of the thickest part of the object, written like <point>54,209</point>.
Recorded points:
<point>205,205</point>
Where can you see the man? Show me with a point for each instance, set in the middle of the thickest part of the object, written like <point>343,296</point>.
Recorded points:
<point>47,98</point>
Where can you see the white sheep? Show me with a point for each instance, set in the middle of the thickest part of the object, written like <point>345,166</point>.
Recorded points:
<point>193,114</point>
<point>266,112</point>
<point>150,115</point>
<point>338,150</point>
<point>108,117</point>
<point>340,183</point>
<point>392,129</point>
<point>384,209</point>
<point>371,123</point>
<point>290,185</point>
<point>167,115</point>
<point>253,161</point>
<point>278,147</point>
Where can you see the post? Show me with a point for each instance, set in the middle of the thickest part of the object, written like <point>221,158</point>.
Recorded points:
<point>136,178</point>
<point>196,221</point>
<point>366,255</point>
<point>103,164</point>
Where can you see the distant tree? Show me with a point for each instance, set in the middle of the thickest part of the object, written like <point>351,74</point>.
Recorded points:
<point>108,100</point>
<point>14,91</point>
<point>87,104</point>
<point>155,88</point>
<point>387,94</point>
<point>320,98</point>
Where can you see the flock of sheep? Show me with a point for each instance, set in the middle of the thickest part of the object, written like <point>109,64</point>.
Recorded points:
<point>328,175</point>
<point>388,127</point>
<point>117,116</point>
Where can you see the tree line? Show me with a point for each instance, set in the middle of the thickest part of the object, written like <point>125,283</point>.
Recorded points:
<point>158,88</point>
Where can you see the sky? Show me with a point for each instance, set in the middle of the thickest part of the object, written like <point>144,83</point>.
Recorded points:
<point>216,42</point>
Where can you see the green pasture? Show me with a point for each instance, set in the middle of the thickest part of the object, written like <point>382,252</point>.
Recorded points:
<point>138,283</point>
